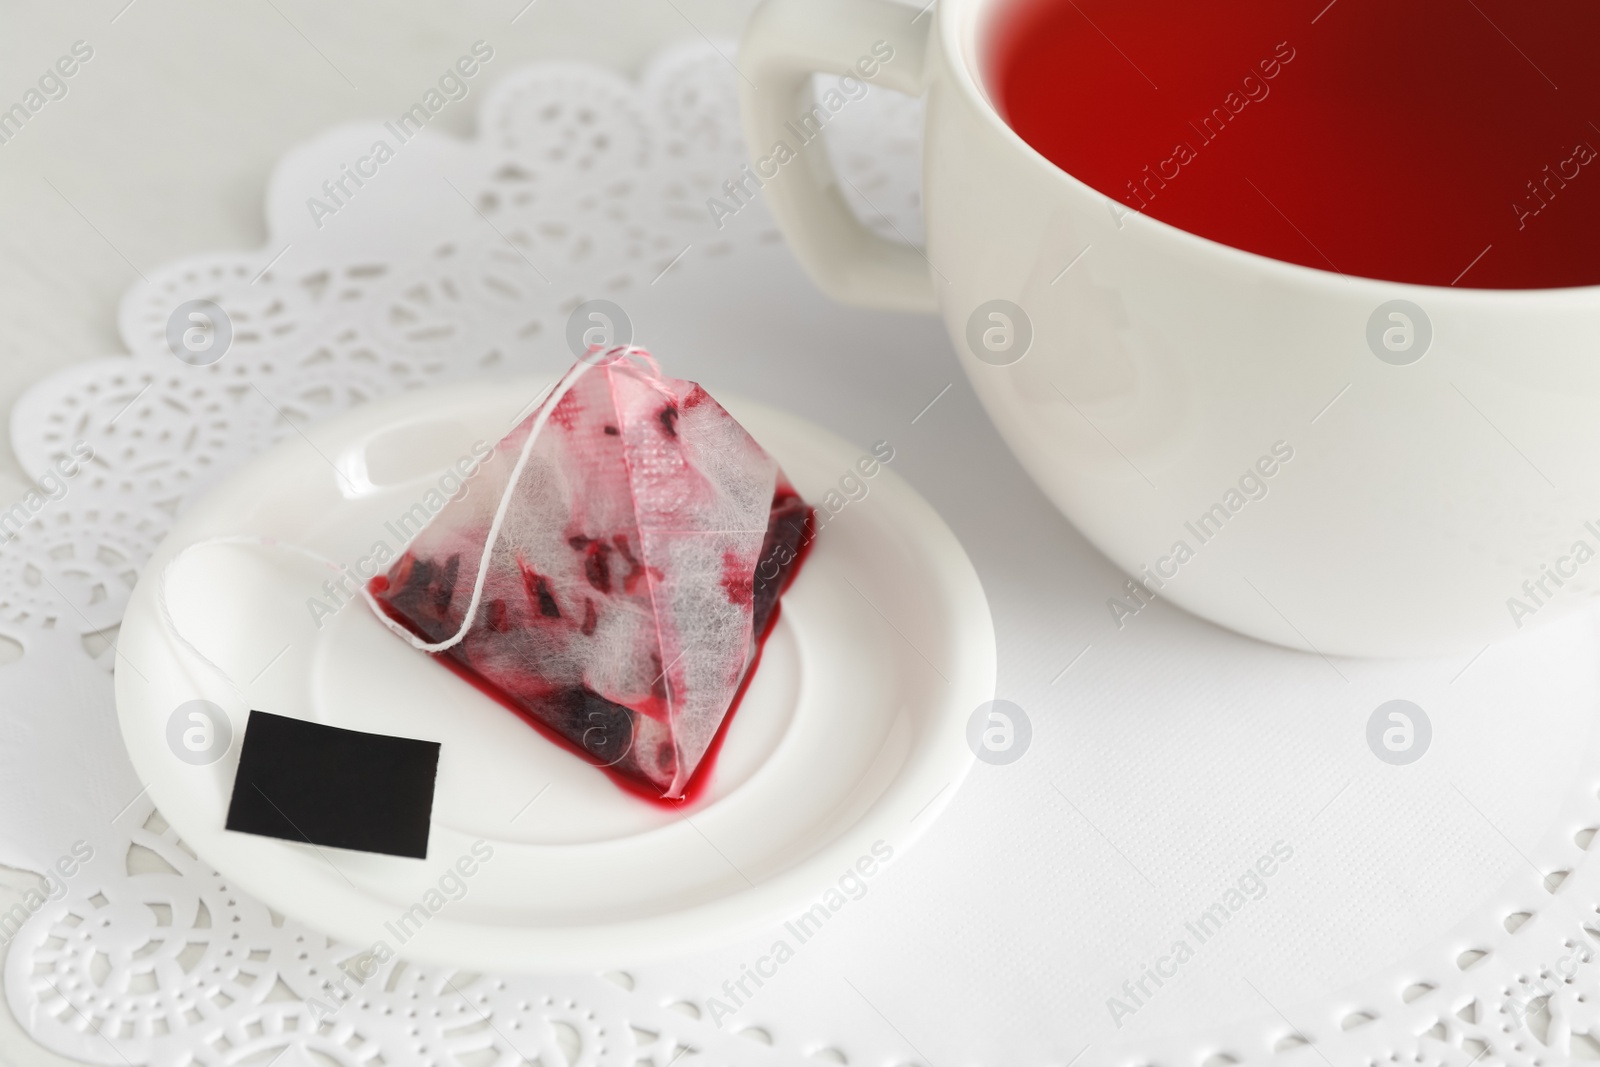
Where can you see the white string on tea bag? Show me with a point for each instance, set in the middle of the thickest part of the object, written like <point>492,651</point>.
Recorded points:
<point>595,357</point>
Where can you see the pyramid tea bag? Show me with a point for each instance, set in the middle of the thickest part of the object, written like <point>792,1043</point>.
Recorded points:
<point>613,572</point>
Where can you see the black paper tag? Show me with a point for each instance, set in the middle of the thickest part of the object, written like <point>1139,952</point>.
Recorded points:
<point>303,781</point>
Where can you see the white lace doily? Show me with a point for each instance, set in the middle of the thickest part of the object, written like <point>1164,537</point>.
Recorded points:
<point>1441,913</point>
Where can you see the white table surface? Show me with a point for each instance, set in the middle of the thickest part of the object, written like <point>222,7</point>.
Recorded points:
<point>162,146</point>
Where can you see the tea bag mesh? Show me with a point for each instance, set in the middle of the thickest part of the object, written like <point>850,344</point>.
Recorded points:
<point>602,560</point>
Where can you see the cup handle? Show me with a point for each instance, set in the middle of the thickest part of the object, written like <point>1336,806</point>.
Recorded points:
<point>785,42</point>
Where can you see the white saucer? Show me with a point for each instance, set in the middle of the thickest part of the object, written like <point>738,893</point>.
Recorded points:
<point>852,731</point>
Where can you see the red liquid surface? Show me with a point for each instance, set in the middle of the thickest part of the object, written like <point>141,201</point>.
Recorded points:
<point>1430,141</point>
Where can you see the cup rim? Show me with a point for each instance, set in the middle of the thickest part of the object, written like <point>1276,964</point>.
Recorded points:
<point>957,24</point>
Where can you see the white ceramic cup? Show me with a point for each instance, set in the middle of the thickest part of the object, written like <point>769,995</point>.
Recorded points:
<point>1352,467</point>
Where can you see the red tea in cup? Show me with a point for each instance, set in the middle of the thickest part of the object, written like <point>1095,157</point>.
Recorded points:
<point>1440,142</point>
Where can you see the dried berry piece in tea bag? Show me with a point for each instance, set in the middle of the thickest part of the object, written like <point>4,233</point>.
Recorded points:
<point>620,559</point>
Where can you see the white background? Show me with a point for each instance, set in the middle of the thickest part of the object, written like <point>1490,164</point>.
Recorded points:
<point>166,138</point>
